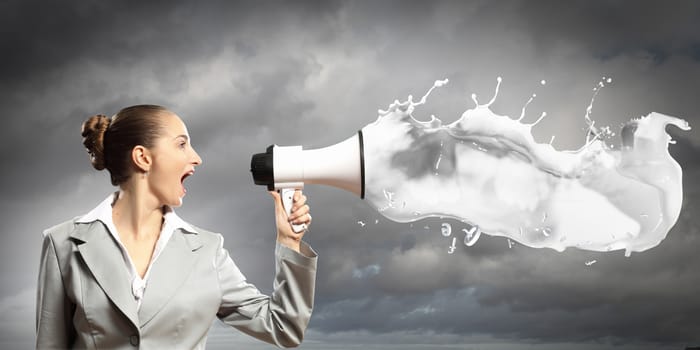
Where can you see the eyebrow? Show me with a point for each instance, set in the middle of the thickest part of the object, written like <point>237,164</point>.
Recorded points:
<point>183,136</point>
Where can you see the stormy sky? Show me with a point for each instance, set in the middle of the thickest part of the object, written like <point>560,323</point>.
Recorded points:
<point>244,75</point>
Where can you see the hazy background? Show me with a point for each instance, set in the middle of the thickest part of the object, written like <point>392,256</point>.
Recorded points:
<point>244,75</point>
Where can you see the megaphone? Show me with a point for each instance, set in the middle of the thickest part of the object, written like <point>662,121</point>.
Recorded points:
<point>287,168</point>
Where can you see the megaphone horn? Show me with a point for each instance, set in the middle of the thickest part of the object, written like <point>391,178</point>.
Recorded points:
<point>341,165</point>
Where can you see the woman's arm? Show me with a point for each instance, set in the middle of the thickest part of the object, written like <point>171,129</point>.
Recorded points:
<point>281,318</point>
<point>54,310</point>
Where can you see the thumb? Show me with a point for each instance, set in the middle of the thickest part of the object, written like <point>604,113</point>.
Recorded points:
<point>280,213</point>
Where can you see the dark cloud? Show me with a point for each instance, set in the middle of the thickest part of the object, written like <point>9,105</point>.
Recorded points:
<point>246,74</point>
<point>43,37</point>
<point>684,151</point>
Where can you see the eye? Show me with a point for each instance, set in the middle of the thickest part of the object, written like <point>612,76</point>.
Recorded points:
<point>182,144</point>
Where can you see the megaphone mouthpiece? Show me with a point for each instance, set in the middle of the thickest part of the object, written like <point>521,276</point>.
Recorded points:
<point>261,165</point>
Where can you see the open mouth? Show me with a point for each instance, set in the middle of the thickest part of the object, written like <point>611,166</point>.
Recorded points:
<point>184,176</point>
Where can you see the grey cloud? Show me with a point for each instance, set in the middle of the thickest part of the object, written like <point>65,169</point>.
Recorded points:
<point>126,32</point>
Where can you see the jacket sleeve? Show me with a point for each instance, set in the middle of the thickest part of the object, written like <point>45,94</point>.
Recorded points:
<point>54,310</point>
<point>281,318</point>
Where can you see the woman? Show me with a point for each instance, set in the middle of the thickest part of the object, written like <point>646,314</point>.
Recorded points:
<point>131,273</point>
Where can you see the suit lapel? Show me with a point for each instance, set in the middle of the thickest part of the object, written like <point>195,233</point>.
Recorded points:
<point>168,273</point>
<point>106,262</point>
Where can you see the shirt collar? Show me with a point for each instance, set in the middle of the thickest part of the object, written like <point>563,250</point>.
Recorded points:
<point>103,212</point>
<point>174,221</point>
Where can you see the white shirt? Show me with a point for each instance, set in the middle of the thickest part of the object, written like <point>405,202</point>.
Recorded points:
<point>171,222</point>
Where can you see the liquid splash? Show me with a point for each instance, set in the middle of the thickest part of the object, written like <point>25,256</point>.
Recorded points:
<point>451,248</point>
<point>487,170</point>
<point>446,229</point>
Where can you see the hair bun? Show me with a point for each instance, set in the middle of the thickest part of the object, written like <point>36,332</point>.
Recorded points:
<point>93,132</point>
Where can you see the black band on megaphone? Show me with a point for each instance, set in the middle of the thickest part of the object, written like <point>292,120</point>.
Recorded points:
<point>362,164</point>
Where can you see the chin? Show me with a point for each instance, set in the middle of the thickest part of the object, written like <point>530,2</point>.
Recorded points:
<point>174,202</point>
<point>177,203</point>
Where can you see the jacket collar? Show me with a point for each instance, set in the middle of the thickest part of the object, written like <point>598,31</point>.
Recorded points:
<point>104,259</point>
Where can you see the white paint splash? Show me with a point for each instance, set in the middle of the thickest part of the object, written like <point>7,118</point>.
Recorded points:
<point>446,229</point>
<point>487,171</point>
<point>453,246</point>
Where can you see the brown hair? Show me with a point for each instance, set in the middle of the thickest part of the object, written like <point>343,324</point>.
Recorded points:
<point>109,141</point>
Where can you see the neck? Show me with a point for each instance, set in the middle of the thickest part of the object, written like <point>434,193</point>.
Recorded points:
<point>137,214</point>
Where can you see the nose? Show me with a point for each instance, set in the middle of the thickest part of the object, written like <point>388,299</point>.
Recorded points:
<point>196,159</point>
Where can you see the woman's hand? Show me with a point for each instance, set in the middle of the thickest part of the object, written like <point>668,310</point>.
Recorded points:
<point>299,215</point>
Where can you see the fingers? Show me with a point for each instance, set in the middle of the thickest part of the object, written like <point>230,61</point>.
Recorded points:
<point>301,215</point>
<point>299,200</point>
<point>300,210</point>
<point>304,219</point>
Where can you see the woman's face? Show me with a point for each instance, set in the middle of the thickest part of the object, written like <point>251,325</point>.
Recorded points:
<point>174,159</point>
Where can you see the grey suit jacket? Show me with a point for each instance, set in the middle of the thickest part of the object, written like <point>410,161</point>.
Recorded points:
<point>84,299</point>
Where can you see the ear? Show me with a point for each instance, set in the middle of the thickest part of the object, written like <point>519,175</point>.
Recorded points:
<point>141,156</point>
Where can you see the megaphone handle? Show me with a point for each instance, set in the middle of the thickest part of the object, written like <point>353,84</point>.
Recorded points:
<point>287,201</point>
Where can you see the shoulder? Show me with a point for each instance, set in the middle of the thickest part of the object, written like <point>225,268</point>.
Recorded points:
<point>209,238</point>
<point>73,231</point>
<point>61,231</point>
<point>61,238</point>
